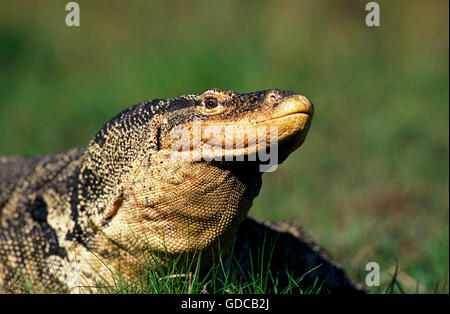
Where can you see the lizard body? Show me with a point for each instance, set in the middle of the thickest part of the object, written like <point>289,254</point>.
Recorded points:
<point>68,218</point>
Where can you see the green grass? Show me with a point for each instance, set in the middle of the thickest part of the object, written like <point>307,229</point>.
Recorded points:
<point>184,275</point>
<point>371,181</point>
<point>223,277</point>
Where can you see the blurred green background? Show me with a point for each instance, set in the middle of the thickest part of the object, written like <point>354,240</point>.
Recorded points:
<point>371,181</point>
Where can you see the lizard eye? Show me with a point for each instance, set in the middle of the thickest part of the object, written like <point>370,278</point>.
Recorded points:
<point>210,103</point>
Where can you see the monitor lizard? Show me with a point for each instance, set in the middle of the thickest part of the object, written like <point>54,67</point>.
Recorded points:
<point>68,218</point>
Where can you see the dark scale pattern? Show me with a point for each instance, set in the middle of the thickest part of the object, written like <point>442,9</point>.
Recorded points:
<point>64,216</point>
<point>38,211</point>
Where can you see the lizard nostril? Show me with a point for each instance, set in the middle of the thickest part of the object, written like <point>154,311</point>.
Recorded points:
<point>273,98</point>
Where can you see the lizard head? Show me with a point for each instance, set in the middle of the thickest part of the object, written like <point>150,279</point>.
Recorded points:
<point>221,125</point>
<point>179,175</point>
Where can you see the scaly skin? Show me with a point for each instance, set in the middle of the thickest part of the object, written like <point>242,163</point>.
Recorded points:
<point>68,218</point>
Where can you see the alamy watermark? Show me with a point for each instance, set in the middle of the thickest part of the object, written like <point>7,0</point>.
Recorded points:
<point>373,275</point>
<point>73,17</point>
<point>373,17</point>
<point>227,142</point>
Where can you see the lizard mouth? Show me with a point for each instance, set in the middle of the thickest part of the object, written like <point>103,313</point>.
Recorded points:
<point>293,105</point>
<point>291,117</point>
